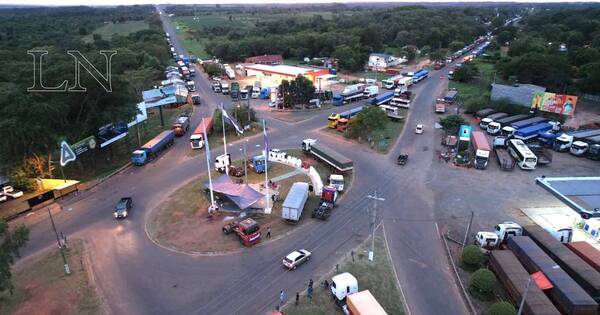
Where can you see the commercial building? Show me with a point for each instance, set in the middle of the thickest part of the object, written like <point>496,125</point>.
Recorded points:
<point>381,61</point>
<point>273,75</point>
<point>265,60</point>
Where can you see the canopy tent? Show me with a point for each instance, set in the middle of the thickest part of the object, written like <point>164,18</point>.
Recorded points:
<point>241,194</point>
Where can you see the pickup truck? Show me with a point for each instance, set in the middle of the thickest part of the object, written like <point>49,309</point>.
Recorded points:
<point>123,208</point>
<point>9,191</point>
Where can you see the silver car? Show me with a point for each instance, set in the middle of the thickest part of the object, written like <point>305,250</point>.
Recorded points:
<point>296,258</point>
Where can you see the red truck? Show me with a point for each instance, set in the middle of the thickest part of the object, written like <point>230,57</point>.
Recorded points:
<point>247,230</point>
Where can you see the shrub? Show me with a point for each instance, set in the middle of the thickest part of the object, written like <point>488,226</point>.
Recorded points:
<point>471,258</point>
<point>482,284</point>
<point>452,123</point>
<point>502,308</point>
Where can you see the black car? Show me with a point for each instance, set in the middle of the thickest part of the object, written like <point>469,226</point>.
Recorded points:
<point>196,99</point>
<point>123,207</point>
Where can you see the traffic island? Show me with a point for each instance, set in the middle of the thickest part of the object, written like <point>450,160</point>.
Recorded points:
<point>182,222</point>
<point>41,286</point>
<point>378,277</point>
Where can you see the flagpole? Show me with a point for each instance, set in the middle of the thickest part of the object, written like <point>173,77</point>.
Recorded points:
<point>210,185</point>
<point>224,140</point>
<point>267,196</point>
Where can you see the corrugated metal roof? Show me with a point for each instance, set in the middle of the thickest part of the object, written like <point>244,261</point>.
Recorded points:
<point>579,193</point>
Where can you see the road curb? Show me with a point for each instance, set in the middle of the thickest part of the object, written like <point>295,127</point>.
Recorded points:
<point>387,247</point>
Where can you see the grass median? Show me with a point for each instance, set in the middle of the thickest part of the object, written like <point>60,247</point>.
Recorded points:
<point>41,286</point>
<point>378,277</point>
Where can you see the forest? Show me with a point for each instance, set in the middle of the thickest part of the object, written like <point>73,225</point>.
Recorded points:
<point>350,35</point>
<point>535,54</point>
<point>32,124</point>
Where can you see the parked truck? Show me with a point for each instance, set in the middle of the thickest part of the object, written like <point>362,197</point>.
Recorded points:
<point>586,276</point>
<point>229,72</point>
<point>530,132</point>
<point>351,93</point>
<point>420,75</point>
<point>363,303</point>
<point>564,141</point>
<point>566,294</point>
<point>544,156</point>
<point>327,155</point>
<point>151,149</point>
<point>528,122</point>
<point>328,199</point>
<point>371,91</point>
<point>9,191</point>
<point>504,158</point>
<point>440,106</point>
<point>292,208</point>
<point>594,150</point>
<point>451,96</point>
<point>247,230</point>
<point>197,138</point>
<point>482,113</point>
<point>495,127</point>
<point>587,252</point>
<point>514,278</point>
<point>224,88</point>
<point>390,83</point>
<point>382,99</point>
<point>493,117</point>
<point>581,147</point>
<point>235,90</point>
<point>481,148</point>
<point>258,163</point>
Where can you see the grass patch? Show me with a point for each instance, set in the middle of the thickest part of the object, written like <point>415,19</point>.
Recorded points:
<point>478,90</point>
<point>104,161</point>
<point>377,277</point>
<point>41,286</point>
<point>109,29</point>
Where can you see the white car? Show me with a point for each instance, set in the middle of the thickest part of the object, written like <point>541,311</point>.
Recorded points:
<point>296,258</point>
<point>419,129</point>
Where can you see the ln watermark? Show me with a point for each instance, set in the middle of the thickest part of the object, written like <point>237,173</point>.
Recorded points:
<point>80,62</point>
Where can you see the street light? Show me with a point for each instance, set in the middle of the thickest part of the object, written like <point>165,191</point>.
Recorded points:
<point>374,215</point>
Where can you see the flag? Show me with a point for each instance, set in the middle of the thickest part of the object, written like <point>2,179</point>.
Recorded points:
<point>232,120</point>
<point>266,141</point>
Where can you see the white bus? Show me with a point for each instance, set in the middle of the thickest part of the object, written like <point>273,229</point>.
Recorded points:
<point>400,102</point>
<point>525,158</point>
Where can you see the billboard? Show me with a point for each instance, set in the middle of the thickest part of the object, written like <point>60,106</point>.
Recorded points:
<point>554,103</point>
<point>464,133</point>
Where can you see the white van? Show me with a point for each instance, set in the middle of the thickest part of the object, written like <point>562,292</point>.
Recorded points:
<point>343,285</point>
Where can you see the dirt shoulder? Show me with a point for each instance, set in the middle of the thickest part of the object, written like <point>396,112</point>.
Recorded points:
<point>41,286</point>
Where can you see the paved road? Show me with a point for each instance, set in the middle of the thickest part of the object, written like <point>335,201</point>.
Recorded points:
<point>137,277</point>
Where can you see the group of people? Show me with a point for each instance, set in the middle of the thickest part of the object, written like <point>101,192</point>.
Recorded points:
<point>309,294</point>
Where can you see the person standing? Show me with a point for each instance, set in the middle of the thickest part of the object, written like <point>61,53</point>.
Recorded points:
<point>281,298</point>
<point>268,232</point>
<point>309,294</point>
<point>297,298</point>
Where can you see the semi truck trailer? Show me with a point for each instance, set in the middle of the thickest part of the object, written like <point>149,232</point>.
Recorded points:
<point>151,149</point>
<point>481,148</point>
<point>327,155</point>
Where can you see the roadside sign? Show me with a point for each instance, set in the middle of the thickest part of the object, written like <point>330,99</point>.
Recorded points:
<point>464,133</point>
<point>66,154</point>
<point>84,145</point>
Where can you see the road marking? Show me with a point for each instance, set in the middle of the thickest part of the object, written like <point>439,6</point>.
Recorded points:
<point>387,246</point>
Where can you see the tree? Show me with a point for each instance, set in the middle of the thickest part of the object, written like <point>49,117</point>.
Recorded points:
<point>212,69</point>
<point>471,258</point>
<point>298,91</point>
<point>451,123</point>
<point>370,120</point>
<point>482,284</point>
<point>502,308</point>
<point>437,55</point>
<point>456,45</point>
<point>10,243</point>
<point>465,73</point>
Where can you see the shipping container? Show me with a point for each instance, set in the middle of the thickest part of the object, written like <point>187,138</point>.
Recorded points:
<point>587,252</point>
<point>513,277</point>
<point>566,294</point>
<point>587,277</point>
<point>363,303</point>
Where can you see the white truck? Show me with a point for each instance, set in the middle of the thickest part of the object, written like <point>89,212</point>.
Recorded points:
<point>229,72</point>
<point>343,285</point>
<point>224,88</point>
<point>337,181</point>
<point>9,191</point>
<point>502,232</point>
<point>371,91</point>
<point>295,200</point>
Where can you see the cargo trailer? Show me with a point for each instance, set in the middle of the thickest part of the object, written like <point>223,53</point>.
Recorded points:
<point>513,277</point>
<point>566,294</point>
<point>586,276</point>
<point>587,252</point>
<point>528,122</point>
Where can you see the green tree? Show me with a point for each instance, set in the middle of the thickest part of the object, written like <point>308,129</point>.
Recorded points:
<point>298,91</point>
<point>456,45</point>
<point>471,258</point>
<point>502,308</point>
<point>368,122</point>
<point>11,242</point>
<point>451,123</point>
<point>465,73</point>
<point>212,69</point>
<point>482,284</point>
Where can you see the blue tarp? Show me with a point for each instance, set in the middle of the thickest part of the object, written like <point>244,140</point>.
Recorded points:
<point>241,194</point>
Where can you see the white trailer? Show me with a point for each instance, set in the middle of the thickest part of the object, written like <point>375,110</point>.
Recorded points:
<point>295,200</point>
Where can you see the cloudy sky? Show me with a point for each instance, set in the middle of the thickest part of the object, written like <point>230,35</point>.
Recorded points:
<point>130,2</point>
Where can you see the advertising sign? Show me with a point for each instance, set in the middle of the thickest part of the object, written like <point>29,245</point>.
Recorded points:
<point>554,103</point>
<point>84,145</point>
<point>464,133</point>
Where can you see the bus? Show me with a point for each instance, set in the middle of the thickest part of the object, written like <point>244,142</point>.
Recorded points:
<point>522,154</point>
<point>333,119</point>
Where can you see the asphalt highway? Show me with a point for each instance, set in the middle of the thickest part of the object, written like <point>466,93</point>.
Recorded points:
<point>135,276</point>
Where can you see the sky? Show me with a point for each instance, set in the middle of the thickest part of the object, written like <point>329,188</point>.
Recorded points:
<point>131,2</point>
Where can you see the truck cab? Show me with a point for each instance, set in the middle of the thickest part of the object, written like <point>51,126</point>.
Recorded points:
<point>216,87</point>
<point>139,157</point>
<point>224,88</point>
<point>493,128</point>
<point>258,163</point>
<point>244,94</point>
<point>578,148</point>
<point>507,230</point>
<point>307,143</point>
<point>190,85</point>
<point>343,285</point>
<point>337,181</point>
<point>247,230</point>
<point>255,92</point>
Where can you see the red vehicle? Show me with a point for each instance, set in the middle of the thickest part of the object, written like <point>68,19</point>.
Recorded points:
<point>247,230</point>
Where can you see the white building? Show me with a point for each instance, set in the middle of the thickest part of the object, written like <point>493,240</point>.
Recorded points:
<point>382,61</point>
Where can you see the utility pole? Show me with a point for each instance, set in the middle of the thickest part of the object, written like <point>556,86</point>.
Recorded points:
<point>373,218</point>
<point>524,297</point>
<point>62,253</point>
<point>245,161</point>
<point>468,230</point>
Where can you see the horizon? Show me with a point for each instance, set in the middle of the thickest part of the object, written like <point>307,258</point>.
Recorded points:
<point>108,3</point>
